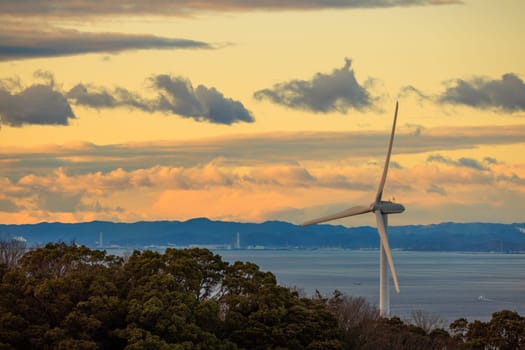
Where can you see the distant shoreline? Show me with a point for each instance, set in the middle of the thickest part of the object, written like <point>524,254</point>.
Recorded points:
<point>444,237</point>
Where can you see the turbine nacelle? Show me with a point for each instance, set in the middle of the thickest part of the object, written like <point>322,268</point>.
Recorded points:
<point>387,207</point>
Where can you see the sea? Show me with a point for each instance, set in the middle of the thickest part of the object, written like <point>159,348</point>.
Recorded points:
<point>450,285</point>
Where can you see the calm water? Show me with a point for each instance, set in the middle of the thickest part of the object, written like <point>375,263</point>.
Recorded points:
<point>453,285</point>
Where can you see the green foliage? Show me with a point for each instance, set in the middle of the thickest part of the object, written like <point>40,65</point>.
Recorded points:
<point>505,331</point>
<point>70,297</point>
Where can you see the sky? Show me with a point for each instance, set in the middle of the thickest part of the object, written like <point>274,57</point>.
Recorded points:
<point>261,110</point>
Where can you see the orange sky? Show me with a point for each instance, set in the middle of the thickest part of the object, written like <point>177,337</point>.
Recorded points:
<point>260,112</point>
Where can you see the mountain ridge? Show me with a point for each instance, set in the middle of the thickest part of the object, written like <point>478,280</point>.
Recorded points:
<point>447,236</point>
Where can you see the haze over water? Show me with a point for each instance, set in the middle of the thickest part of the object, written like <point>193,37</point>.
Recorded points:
<point>453,285</point>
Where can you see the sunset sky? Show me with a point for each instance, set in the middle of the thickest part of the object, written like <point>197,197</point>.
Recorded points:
<point>261,110</point>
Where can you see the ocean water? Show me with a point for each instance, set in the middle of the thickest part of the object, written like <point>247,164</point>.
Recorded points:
<point>452,285</point>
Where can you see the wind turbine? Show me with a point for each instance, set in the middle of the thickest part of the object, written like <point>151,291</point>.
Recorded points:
<point>381,209</point>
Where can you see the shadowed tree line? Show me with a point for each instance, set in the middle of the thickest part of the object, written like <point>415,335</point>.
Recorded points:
<point>64,296</point>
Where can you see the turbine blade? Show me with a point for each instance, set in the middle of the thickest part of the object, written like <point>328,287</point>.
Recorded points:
<point>381,229</point>
<point>387,161</point>
<point>360,209</point>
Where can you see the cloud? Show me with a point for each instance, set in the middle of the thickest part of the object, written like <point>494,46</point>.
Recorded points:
<point>19,43</point>
<point>471,163</point>
<point>507,93</point>
<point>462,162</point>
<point>81,96</point>
<point>65,8</point>
<point>47,77</point>
<point>98,97</point>
<point>490,160</point>
<point>63,191</point>
<point>409,90</point>
<point>178,96</point>
<point>37,104</point>
<point>221,189</point>
<point>433,188</point>
<point>42,104</point>
<point>335,92</point>
<point>221,173</point>
<point>418,129</point>
<point>310,172</point>
<point>512,179</point>
<point>55,201</point>
<point>249,150</point>
<point>281,175</point>
<point>9,206</point>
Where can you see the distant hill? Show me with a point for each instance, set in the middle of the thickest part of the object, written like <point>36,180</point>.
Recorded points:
<point>475,237</point>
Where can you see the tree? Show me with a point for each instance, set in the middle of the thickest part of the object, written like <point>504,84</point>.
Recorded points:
<point>426,320</point>
<point>354,315</point>
<point>65,294</point>
<point>11,250</point>
<point>364,329</point>
<point>477,335</point>
<point>459,329</point>
<point>200,270</point>
<point>506,330</point>
<point>259,314</point>
<point>164,301</point>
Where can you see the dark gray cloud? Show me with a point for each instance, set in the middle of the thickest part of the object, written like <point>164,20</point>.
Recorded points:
<point>37,104</point>
<point>178,96</point>
<point>470,163</point>
<point>513,179</point>
<point>16,43</point>
<point>98,97</point>
<point>337,91</point>
<point>334,92</point>
<point>507,93</point>
<point>410,90</point>
<point>461,162</point>
<point>46,76</point>
<point>42,104</point>
<point>61,8</point>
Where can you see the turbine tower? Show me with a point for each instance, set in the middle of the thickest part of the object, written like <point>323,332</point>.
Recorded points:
<point>381,209</point>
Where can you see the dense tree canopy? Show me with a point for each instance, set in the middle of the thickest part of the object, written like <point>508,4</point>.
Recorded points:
<point>69,297</point>
<point>64,296</point>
